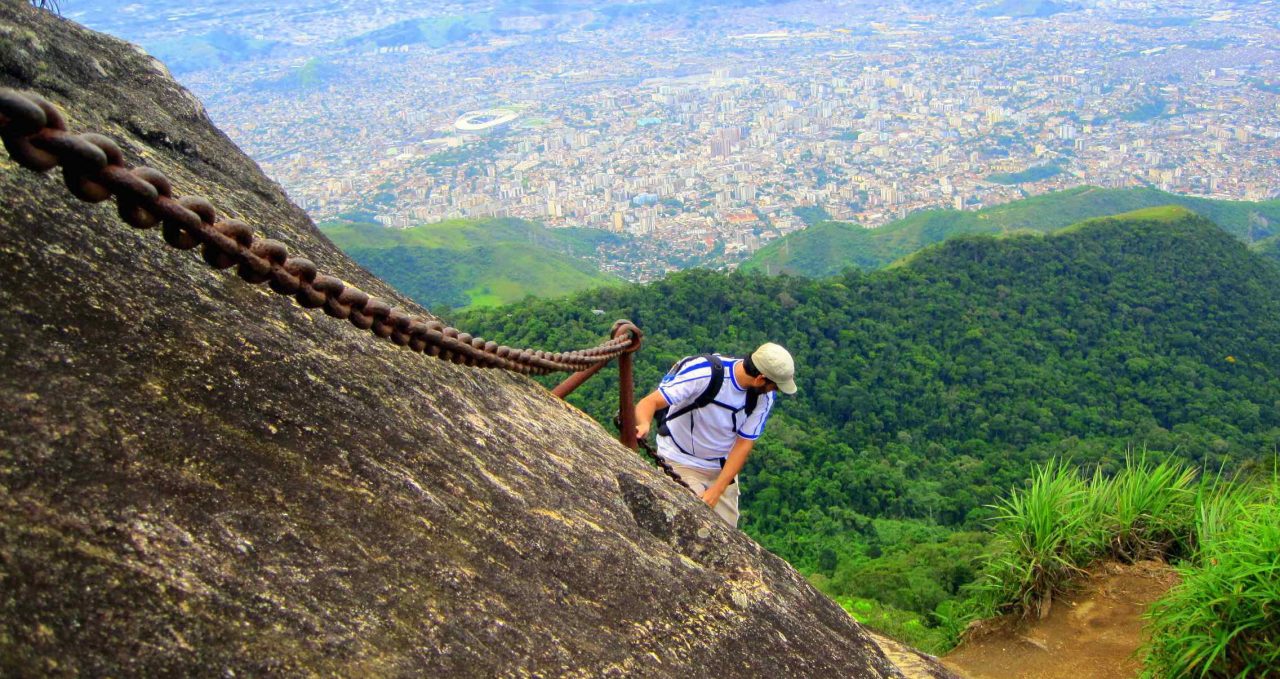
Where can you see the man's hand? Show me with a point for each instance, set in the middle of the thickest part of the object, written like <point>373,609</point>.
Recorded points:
<point>645,408</point>
<point>732,465</point>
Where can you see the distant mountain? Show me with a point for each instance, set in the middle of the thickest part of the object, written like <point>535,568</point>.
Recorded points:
<point>188,53</point>
<point>1026,8</point>
<point>537,16</point>
<point>434,32</point>
<point>824,250</point>
<point>463,263</point>
<point>315,74</point>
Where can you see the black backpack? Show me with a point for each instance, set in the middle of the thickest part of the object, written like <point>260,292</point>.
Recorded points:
<point>708,395</point>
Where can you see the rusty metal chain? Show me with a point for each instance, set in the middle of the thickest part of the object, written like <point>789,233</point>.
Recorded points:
<point>662,462</point>
<point>653,455</point>
<point>93,167</point>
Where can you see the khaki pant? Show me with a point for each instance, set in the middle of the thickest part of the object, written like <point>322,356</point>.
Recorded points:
<point>702,479</point>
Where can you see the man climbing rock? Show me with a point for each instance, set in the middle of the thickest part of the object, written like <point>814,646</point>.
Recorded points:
<point>710,410</point>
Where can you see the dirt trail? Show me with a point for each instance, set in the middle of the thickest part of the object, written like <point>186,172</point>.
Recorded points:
<point>1090,634</point>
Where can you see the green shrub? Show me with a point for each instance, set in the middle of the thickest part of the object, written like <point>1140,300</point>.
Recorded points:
<point>1147,508</point>
<point>1223,620</point>
<point>1048,533</point>
<point>1217,506</point>
<point>1042,541</point>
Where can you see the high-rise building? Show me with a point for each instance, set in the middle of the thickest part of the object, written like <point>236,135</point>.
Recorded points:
<point>889,194</point>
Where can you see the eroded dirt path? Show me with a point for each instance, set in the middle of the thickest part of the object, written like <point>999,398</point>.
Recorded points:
<point>1090,634</point>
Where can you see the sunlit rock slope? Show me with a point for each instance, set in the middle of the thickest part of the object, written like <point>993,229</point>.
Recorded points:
<point>200,478</point>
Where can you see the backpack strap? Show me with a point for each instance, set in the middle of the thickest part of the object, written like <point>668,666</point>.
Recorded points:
<point>710,392</point>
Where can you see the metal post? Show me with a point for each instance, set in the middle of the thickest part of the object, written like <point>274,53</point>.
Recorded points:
<point>626,382</point>
<point>626,401</point>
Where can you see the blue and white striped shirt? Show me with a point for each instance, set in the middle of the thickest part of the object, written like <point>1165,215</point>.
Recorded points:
<point>702,437</point>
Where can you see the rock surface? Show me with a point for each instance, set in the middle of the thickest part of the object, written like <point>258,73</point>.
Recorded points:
<point>199,477</point>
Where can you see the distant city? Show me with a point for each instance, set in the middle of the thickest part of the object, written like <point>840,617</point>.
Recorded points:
<point>705,130</point>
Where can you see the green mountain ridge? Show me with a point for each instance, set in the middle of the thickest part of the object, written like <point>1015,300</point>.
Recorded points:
<point>826,249</point>
<point>1166,214</point>
<point>461,263</point>
<point>931,389</point>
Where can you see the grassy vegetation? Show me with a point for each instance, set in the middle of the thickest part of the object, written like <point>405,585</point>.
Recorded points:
<point>827,249</point>
<point>462,263</point>
<point>1225,536</point>
<point>1049,532</point>
<point>1165,214</point>
<point>813,214</point>
<point>1221,621</point>
<point>1043,543</point>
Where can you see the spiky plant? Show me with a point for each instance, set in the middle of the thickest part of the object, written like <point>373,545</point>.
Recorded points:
<point>1041,543</point>
<point>1218,502</point>
<point>1096,505</point>
<point>1151,508</point>
<point>1223,620</point>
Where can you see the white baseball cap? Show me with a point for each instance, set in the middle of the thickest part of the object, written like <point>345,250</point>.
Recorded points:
<point>775,363</point>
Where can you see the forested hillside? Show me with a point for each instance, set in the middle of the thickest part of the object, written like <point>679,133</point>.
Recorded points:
<point>1270,249</point>
<point>481,262</point>
<point>929,390</point>
<point>826,249</point>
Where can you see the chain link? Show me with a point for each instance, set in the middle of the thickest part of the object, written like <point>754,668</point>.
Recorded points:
<point>652,455</point>
<point>662,462</point>
<point>93,167</point>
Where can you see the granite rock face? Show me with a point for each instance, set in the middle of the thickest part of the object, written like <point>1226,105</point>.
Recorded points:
<point>199,477</point>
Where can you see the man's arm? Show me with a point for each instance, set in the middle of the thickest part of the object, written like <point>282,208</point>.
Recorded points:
<point>644,412</point>
<point>732,465</point>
